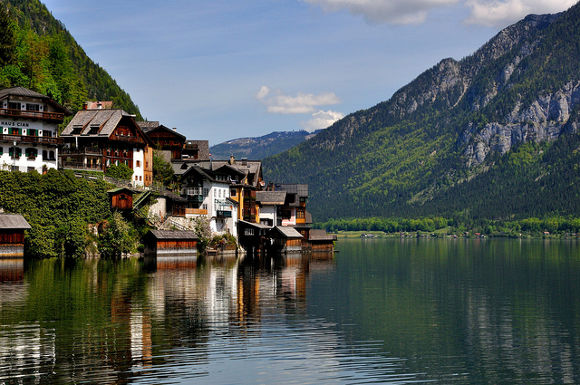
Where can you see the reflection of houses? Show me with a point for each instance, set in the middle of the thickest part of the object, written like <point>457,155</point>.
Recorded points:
<point>28,130</point>
<point>12,227</point>
<point>98,139</point>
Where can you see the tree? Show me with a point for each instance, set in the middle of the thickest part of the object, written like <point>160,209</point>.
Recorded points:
<point>162,170</point>
<point>116,238</point>
<point>7,38</point>
<point>122,171</point>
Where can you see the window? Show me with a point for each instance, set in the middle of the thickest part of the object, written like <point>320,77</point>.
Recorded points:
<point>51,155</point>
<point>300,213</point>
<point>15,131</point>
<point>233,192</point>
<point>44,154</point>
<point>32,107</point>
<point>140,178</point>
<point>48,134</point>
<point>31,153</point>
<point>15,154</point>
<point>136,178</point>
<point>32,132</point>
<point>205,192</point>
<point>138,163</point>
<point>204,206</point>
<point>14,106</point>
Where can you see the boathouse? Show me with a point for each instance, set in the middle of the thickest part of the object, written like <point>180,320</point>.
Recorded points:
<point>12,227</point>
<point>320,240</point>
<point>171,243</point>
<point>285,239</point>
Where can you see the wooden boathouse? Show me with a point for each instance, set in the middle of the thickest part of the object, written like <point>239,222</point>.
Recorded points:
<point>286,239</point>
<point>320,240</point>
<point>171,243</point>
<point>12,227</point>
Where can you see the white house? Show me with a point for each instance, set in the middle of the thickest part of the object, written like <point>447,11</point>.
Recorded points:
<point>29,130</point>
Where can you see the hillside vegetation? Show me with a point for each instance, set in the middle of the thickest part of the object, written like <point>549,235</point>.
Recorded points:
<point>37,52</point>
<point>494,135</point>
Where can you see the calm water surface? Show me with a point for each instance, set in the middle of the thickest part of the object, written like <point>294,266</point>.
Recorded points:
<point>380,311</point>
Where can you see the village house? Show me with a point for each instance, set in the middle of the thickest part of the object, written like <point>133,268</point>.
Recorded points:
<point>167,142</point>
<point>195,150</point>
<point>97,139</point>
<point>29,130</point>
<point>208,194</point>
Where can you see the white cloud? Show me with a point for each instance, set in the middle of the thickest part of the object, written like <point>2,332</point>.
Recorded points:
<point>504,12</point>
<point>385,11</point>
<point>279,103</point>
<point>322,119</point>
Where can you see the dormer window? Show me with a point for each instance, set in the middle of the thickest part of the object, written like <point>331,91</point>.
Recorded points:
<point>77,129</point>
<point>94,129</point>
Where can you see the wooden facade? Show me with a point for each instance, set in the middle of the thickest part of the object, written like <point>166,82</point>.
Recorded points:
<point>12,228</point>
<point>171,243</point>
<point>121,199</point>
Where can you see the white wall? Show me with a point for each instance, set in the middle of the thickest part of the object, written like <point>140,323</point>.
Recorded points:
<point>138,171</point>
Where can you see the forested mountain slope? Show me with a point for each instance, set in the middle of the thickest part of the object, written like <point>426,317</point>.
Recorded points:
<point>465,136</point>
<point>260,147</point>
<point>37,52</point>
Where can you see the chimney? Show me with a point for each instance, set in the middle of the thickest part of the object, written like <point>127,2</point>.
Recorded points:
<point>232,159</point>
<point>85,105</point>
<point>99,106</point>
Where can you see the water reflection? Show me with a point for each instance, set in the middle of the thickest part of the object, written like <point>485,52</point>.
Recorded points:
<point>381,311</point>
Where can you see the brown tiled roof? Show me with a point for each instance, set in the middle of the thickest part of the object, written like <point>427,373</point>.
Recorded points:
<point>105,120</point>
<point>271,197</point>
<point>321,235</point>
<point>288,232</point>
<point>13,221</point>
<point>173,234</point>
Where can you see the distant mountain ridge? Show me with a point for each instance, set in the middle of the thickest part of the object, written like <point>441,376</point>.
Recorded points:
<point>47,59</point>
<point>262,146</point>
<point>490,135</point>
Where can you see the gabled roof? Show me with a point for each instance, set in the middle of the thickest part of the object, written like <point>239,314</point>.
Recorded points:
<point>150,128</point>
<point>104,121</point>
<point>120,189</point>
<point>26,93</point>
<point>148,125</point>
<point>271,197</point>
<point>13,221</point>
<point>320,235</point>
<point>288,232</point>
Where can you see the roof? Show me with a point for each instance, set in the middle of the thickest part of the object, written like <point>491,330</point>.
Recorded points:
<point>256,225</point>
<point>173,234</point>
<point>174,197</point>
<point>321,235</point>
<point>298,189</point>
<point>244,167</point>
<point>147,126</point>
<point>271,197</point>
<point>288,232</point>
<point>308,217</point>
<point>202,147</point>
<point>26,93</point>
<point>13,221</point>
<point>119,189</point>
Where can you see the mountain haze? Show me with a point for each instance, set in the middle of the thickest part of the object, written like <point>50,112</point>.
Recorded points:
<point>260,147</point>
<point>494,135</point>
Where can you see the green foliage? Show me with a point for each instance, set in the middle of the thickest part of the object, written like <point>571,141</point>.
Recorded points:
<point>406,157</point>
<point>118,238</point>
<point>162,170</point>
<point>58,206</point>
<point>122,171</point>
<point>203,232</point>
<point>37,52</point>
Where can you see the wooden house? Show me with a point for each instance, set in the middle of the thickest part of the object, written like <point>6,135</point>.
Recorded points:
<point>171,243</point>
<point>253,237</point>
<point>97,139</point>
<point>12,227</point>
<point>285,239</point>
<point>121,198</point>
<point>320,240</point>
<point>167,141</point>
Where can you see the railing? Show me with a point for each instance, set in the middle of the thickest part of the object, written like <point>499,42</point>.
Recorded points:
<point>195,212</point>
<point>223,214</point>
<point>81,166</point>
<point>32,114</point>
<point>83,151</point>
<point>194,191</point>
<point>130,139</point>
<point>30,139</point>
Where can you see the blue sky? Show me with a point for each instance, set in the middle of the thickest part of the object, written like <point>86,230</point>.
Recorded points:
<point>220,70</point>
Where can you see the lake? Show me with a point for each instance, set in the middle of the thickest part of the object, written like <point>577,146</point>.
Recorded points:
<point>380,311</point>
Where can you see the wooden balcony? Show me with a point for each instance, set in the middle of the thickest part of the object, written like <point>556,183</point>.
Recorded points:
<point>128,139</point>
<point>51,116</point>
<point>94,151</point>
<point>31,139</point>
<point>195,212</point>
<point>73,165</point>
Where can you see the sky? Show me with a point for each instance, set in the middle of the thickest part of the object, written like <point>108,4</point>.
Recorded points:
<point>221,70</point>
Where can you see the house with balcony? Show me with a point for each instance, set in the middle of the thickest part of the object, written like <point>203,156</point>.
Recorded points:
<point>95,140</point>
<point>168,142</point>
<point>29,130</point>
<point>208,194</point>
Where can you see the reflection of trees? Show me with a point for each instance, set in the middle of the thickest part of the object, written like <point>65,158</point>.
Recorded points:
<point>490,309</point>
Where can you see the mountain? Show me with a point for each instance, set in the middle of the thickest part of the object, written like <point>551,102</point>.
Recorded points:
<point>493,135</point>
<point>260,147</point>
<point>37,52</point>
